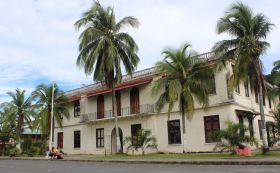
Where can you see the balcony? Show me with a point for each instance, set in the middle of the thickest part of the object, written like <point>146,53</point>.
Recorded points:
<point>125,112</point>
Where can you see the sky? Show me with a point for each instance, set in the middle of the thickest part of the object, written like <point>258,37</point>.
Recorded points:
<point>39,43</point>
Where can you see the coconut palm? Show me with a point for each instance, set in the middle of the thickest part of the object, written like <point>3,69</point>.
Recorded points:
<point>275,79</point>
<point>43,97</point>
<point>248,32</point>
<point>104,48</point>
<point>143,141</point>
<point>18,109</point>
<point>186,77</point>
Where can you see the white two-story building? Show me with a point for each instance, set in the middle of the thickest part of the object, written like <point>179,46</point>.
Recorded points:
<point>90,129</point>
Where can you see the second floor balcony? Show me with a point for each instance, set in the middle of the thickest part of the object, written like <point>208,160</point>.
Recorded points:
<point>123,112</point>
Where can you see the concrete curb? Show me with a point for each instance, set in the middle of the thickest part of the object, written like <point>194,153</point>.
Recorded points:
<point>186,162</point>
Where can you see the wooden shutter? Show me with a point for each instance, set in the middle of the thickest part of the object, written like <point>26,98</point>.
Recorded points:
<point>100,107</point>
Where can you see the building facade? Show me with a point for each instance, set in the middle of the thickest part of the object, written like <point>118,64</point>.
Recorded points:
<point>90,128</point>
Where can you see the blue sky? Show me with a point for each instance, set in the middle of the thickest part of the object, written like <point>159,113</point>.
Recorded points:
<point>38,41</point>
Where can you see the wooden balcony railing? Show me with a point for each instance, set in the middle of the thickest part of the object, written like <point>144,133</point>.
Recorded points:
<point>126,111</point>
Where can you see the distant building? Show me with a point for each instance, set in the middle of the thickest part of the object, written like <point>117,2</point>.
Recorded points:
<point>90,128</point>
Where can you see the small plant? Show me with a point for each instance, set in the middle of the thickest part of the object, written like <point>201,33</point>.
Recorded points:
<point>14,152</point>
<point>142,141</point>
<point>234,135</point>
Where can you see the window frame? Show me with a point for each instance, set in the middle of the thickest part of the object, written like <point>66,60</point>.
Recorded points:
<point>100,140</point>
<point>60,140</point>
<point>134,132</point>
<point>172,141</point>
<point>247,92</point>
<point>77,141</point>
<point>77,109</point>
<point>212,130</point>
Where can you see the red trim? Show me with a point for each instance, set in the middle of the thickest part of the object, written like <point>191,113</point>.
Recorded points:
<point>121,86</point>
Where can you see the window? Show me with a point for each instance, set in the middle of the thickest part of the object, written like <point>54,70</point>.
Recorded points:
<point>260,129</point>
<point>211,125</point>
<point>77,139</point>
<point>269,102</point>
<point>264,99</point>
<point>77,108</point>
<point>134,101</point>
<point>100,138</point>
<point>212,89</point>
<point>174,132</point>
<point>237,89</point>
<point>100,107</point>
<point>246,90</point>
<point>256,96</point>
<point>60,140</point>
<point>119,103</point>
<point>251,126</point>
<point>229,92</point>
<point>134,130</point>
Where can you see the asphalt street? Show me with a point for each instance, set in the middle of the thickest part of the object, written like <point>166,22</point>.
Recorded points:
<point>33,166</point>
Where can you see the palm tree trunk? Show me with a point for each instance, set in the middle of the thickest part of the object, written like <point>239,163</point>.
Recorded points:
<point>184,128</point>
<point>264,133</point>
<point>118,143</point>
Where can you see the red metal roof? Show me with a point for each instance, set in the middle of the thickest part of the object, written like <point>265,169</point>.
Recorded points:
<point>121,86</point>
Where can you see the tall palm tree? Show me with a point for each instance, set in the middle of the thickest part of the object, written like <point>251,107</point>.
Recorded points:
<point>186,76</point>
<point>104,48</point>
<point>43,97</point>
<point>20,108</point>
<point>248,32</point>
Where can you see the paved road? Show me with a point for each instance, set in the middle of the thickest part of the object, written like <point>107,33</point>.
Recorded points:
<point>25,166</point>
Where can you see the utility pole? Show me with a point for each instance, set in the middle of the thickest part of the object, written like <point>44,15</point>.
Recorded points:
<point>51,130</point>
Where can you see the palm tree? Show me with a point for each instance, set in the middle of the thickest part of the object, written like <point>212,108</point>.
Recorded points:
<point>104,48</point>
<point>18,109</point>
<point>275,79</point>
<point>43,97</point>
<point>186,76</point>
<point>248,32</point>
<point>143,141</point>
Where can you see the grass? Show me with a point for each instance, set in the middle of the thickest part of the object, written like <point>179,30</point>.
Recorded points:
<point>257,154</point>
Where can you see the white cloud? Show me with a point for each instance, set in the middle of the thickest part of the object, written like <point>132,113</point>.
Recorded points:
<point>38,41</point>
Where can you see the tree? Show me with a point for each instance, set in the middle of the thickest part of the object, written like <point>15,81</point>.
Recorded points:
<point>143,141</point>
<point>43,97</point>
<point>275,79</point>
<point>20,108</point>
<point>104,48</point>
<point>185,76</point>
<point>248,32</point>
<point>234,135</point>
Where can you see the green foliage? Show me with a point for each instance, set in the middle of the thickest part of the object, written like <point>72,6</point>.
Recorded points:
<point>43,97</point>
<point>103,47</point>
<point>233,136</point>
<point>14,152</point>
<point>26,145</point>
<point>187,76</point>
<point>19,109</point>
<point>277,123</point>
<point>143,141</point>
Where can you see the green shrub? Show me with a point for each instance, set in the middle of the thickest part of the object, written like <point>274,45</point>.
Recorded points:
<point>26,145</point>
<point>14,152</point>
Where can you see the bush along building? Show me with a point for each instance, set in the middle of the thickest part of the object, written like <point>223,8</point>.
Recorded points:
<point>91,127</point>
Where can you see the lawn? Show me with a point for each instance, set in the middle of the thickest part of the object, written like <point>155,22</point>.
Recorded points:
<point>257,154</point>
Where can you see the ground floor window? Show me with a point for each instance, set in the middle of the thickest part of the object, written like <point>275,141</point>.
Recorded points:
<point>260,129</point>
<point>60,140</point>
<point>174,132</point>
<point>100,138</point>
<point>134,130</point>
<point>77,139</point>
<point>211,126</point>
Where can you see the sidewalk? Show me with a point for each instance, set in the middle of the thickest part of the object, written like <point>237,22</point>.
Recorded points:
<point>216,161</point>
